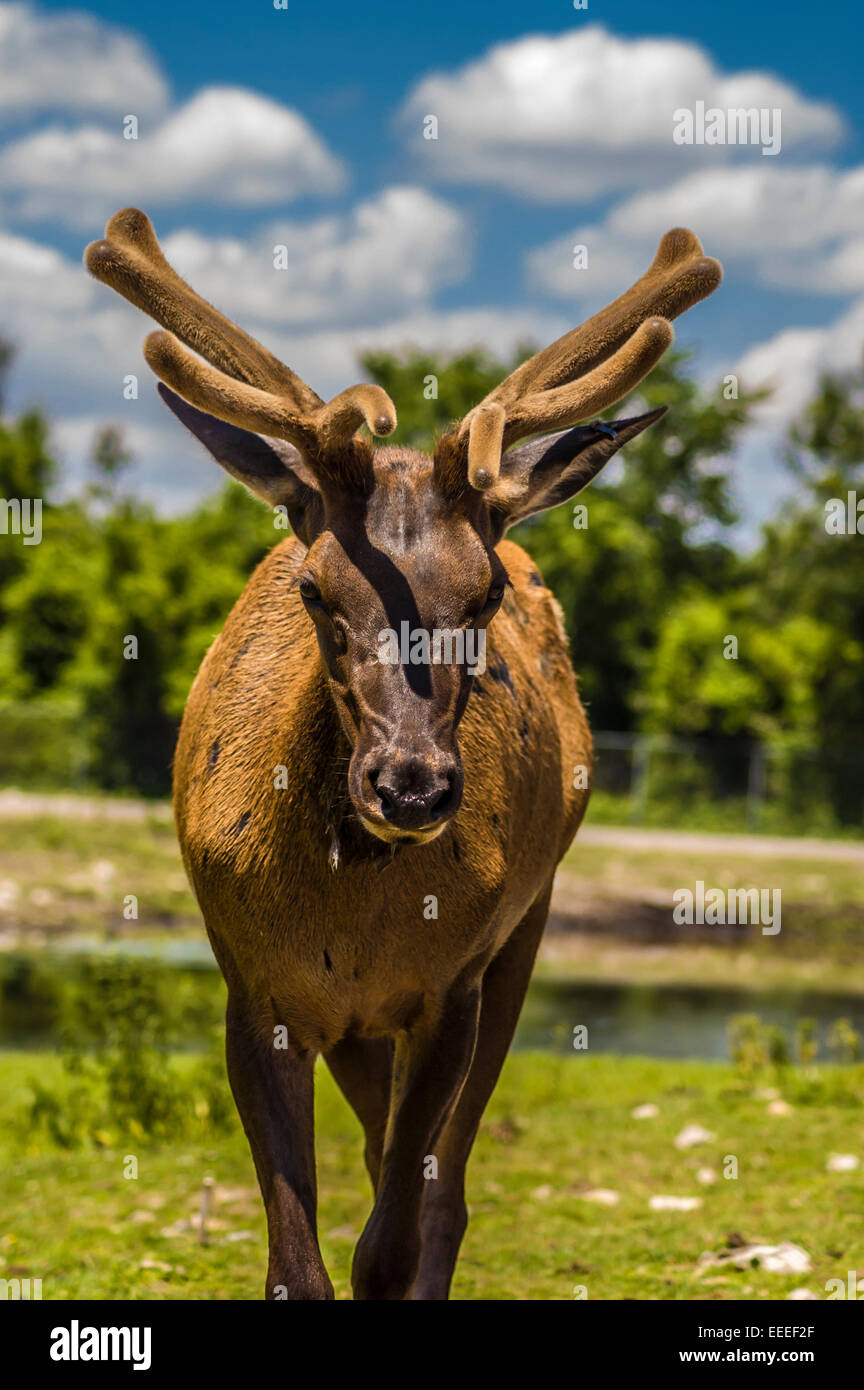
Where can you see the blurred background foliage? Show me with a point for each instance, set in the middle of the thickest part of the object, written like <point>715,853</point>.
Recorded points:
<point>650,587</point>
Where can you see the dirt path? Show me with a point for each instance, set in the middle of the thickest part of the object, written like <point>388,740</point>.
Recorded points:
<point>15,804</point>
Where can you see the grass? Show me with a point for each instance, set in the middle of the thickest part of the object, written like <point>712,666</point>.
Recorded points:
<point>63,877</point>
<point>555,1128</point>
<point>818,885</point>
<point>718,815</point>
<point>59,874</point>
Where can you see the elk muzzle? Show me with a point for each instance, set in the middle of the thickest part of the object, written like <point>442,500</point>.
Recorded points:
<point>406,793</point>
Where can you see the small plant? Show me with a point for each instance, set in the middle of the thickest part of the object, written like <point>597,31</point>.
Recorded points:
<point>747,1044</point>
<point>118,1082</point>
<point>844,1041</point>
<point>777,1046</point>
<point>806,1041</point>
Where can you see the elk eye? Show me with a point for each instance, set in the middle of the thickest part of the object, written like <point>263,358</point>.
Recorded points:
<point>309,590</point>
<point>495,595</point>
<point>340,641</point>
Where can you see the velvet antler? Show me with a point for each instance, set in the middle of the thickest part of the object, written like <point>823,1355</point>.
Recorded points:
<point>586,370</point>
<point>239,381</point>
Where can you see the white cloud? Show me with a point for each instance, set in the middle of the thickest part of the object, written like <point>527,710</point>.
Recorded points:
<point>30,271</point>
<point>387,254</point>
<point>71,345</point>
<point>791,228</point>
<point>170,468</point>
<point>792,361</point>
<point>790,364</point>
<point>68,61</point>
<point>579,114</point>
<point>226,145</point>
<point>613,263</point>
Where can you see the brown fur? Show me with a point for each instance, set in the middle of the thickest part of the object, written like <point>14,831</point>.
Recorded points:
<point>269,705</point>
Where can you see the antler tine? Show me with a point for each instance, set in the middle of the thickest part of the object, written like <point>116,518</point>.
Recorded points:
<point>318,434</point>
<point>233,400</point>
<point>359,405</point>
<point>130,261</point>
<point>485,427</point>
<point>597,390</point>
<point>587,369</point>
<point>491,428</point>
<point>678,277</point>
<point>240,381</point>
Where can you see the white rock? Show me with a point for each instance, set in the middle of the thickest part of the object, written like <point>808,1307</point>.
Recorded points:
<point>645,1112</point>
<point>706,1176</point>
<point>692,1135</point>
<point>102,872</point>
<point>603,1195</point>
<point>799,1295</point>
<point>779,1107</point>
<point>784,1258</point>
<point>179,1228</point>
<point>9,893</point>
<point>675,1203</point>
<point>842,1163</point>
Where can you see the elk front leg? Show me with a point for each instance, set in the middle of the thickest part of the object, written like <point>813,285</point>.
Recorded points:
<point>274,1092</point>
<point>445,1215</point>
<point>430,1067</point>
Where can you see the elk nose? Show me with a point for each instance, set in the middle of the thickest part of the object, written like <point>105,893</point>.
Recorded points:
<point>412,797</point>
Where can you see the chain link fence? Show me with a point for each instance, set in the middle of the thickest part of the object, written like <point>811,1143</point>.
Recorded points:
<point>642,779</point>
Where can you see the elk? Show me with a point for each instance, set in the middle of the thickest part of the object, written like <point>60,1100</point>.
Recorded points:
<point>325,798</point>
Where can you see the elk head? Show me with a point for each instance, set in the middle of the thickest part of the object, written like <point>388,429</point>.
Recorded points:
<point>399,544</point>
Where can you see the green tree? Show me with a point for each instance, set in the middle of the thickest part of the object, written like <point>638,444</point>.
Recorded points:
<point>803,567</point>
<point>765,685</point>
<point>27,470</point>
<point>109,459</point>
<point>431,391</point>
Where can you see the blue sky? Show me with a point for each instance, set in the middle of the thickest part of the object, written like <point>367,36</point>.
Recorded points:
<point>302,126</point>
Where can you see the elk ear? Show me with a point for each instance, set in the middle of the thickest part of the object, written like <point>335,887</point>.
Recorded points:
<point>272,469</point>
<point>544,472</point>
